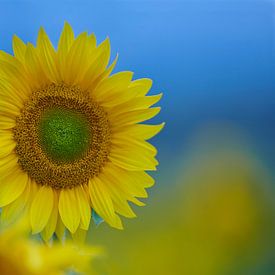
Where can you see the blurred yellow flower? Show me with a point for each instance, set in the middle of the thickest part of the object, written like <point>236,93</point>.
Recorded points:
<point>21,256</point>
<point>70,135</point>
<point>227,212</point>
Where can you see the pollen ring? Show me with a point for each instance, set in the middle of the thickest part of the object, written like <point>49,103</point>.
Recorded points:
<point>62,136</point>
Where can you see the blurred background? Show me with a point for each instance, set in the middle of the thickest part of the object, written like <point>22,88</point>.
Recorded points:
<point>212,208</point>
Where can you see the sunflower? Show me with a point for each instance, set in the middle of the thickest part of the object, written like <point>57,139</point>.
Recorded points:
<point>20,256</point>
<point>71,136</point>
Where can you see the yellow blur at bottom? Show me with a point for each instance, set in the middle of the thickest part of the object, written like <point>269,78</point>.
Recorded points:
<point>21,256</point>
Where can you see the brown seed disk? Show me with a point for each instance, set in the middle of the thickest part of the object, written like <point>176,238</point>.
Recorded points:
<point>33,159</point>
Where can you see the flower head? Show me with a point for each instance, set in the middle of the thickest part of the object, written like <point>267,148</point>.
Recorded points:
<point>71,136</point>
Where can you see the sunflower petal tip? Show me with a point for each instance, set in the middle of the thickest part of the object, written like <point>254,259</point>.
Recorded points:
<point>150,82</point>
<point>15,37</point>
<point>141,203</point>
<point>67,24</point>
<point>107,42</point>
<point>119,226</point>
<point>72,230</point>
<point>162,125</point>
<point>70,227</point>
<point>41,31</point>
<point>34,228</point>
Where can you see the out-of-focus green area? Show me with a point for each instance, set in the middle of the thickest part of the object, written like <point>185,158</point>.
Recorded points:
<point>215,216</point>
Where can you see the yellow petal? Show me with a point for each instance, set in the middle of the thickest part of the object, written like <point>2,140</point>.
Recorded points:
<point>11,99</point>
<point>108,70</point>
<point>133,158</point>
<point>126,141</point>
<point>41,208</point>
<point>12,186</point>
<point>60,228</point>
<point>98,64</point>
<point>84,207</point>
<point>137,103</point>
<point>116,82</point>
<point>65,42</point>
<point>143,178</point>
<point>132,183</point>
<point>7,149</point>
<point>47,56</point>
<point>11,93</point>
<point>80,57</point>
<point>122,180</point>
<point>102,203</point>
<point>131,164</point>
<point>12,212</point>
<point>34,67</point>
<point>7,144</point>
<point>91,43</point>
<point>8,165</point>
<point>126,99</point>
<point>68,209</point>
<point>119,199</point>
<point>33,189</point>
<point>51,224</point>
<point>141,131</point>
<point>19,48</point>
<point>137,202</point>
<point>14,72</point>
<point>133,117</point>
<point>77,59</point>
<point>101,77</point>
<point>9,109</point>
<point>141,86</point>
<point>6,122</point>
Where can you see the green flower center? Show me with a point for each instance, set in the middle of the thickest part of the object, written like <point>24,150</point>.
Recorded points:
<point>64,134</point>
